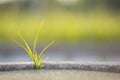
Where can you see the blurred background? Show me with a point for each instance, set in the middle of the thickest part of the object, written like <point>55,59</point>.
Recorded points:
<point>84,30</point>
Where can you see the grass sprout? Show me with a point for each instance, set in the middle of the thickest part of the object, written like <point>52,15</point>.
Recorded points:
<point>36,58</point>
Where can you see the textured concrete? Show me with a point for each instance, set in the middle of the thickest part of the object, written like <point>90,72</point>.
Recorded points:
<point>89,66</point>
<point>58,75</point>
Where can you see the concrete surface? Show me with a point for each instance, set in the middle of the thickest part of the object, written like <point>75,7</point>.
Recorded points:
<point>88,66</point>
<point>58,75</point>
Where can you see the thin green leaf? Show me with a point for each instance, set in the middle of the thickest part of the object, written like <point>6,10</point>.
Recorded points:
<point>36,36</point>
<point>41,61</point>
<point>36,58</point>
<point>24,49</point>
<point>26,44</point>
<point>45,49</point>
<point>21,46</point>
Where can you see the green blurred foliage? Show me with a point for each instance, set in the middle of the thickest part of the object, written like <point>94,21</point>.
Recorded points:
<point>80,21</point>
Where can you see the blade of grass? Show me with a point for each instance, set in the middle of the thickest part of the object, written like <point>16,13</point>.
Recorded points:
<point>41,53</point>
<point>21,46</point>
<point>36,58</point>
<point>36,36</point>
<point>24,49</point>
<point>41,61</point>
<point>27,46</point>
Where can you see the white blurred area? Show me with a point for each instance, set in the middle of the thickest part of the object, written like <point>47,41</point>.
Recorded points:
<point>5,1</point>
<point>68,2</point>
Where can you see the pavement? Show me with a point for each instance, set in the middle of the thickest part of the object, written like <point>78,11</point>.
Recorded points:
<point>65,65</point>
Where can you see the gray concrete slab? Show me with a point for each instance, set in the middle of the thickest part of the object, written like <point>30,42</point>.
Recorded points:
<point>89,66</point>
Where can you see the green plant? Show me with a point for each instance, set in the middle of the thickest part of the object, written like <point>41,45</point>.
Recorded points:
<point>36,58</point>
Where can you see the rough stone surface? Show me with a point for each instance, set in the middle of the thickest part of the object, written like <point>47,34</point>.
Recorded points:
<point>16,66</point>
<point>89,66</point>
